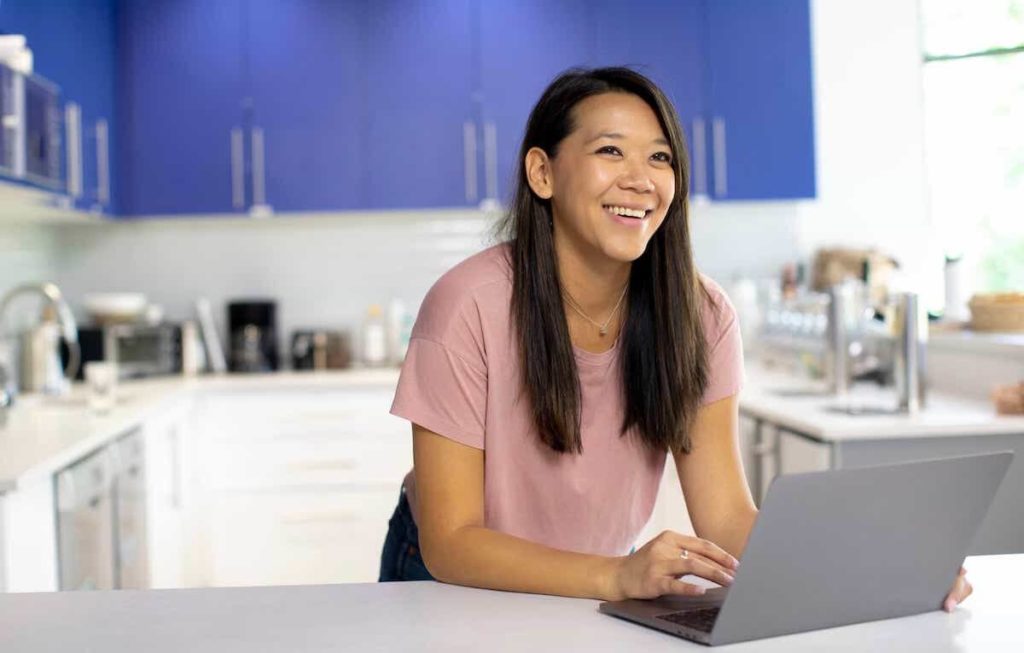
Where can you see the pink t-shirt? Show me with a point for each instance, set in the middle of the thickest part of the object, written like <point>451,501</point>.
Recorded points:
<point>461,379</point>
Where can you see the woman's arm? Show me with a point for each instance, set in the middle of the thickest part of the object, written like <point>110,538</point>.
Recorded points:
<point>458,549</point>
<point>711,475</point>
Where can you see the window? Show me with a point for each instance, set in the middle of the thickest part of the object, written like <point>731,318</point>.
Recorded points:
<point>974,135</point>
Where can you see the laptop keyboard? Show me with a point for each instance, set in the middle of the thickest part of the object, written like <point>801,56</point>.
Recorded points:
<point>702,619</point>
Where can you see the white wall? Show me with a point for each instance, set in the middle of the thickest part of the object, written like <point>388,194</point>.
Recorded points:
<point>869,133</point>
<point>324,270</point>
<point>27,253</point>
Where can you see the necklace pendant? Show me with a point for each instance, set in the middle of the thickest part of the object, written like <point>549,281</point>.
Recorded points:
<point>603,331</point>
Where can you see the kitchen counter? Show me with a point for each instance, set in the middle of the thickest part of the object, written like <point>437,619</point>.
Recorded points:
<point>429,616</point>
<point>45,434</point>
<point>802,406</point>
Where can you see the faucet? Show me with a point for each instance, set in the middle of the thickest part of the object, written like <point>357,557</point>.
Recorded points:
<point>69,330</point>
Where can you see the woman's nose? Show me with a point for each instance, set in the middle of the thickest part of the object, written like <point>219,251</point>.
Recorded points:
<point>635,178</point>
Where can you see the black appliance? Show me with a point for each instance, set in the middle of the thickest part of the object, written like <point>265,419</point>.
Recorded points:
<point>252,328</point>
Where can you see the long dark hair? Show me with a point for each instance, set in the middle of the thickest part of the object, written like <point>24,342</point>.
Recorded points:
<point>663,357</point>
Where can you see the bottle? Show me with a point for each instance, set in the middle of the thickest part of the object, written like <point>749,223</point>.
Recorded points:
<point>375,338</point>
<point>956,286</point>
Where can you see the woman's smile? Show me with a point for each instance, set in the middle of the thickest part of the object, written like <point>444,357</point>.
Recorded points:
<point>627,216</point>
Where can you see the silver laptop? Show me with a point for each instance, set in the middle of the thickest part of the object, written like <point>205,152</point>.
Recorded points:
<point>840,547</point>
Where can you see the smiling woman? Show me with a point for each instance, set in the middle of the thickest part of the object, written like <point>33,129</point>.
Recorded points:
<point>549,378</point>
<point>578,354</point>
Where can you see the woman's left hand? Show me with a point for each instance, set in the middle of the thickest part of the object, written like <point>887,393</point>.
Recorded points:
<point>961,590</point>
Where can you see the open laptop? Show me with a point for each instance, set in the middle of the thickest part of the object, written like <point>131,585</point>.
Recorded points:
<point>840,547</point>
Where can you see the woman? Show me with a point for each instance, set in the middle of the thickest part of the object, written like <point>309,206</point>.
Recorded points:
<point>548,376</point>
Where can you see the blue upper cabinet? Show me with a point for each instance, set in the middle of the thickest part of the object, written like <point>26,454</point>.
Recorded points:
<point>305,106</point>
<point>759,99</point>
<point>73,44</point>
<point>670,53</point>
<point>523,46</point>
<point>182,147</point>
<point>420,140</point>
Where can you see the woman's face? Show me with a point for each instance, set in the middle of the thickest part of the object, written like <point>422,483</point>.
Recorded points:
<point>612,180</point>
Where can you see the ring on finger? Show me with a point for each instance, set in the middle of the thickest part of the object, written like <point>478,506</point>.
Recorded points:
<point>686,554</point>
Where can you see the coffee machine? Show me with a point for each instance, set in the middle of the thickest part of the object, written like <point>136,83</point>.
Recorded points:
<point>252,327</point>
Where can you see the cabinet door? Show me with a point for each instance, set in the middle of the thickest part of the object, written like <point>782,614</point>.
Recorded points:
<point>523,46</point>
<point>675,64</point>
<point>761,127</point>
<point>421,139</point>
<point>181,67</point>
<point>164,436</point>
<point>73,45</point>
<point>305,72</point>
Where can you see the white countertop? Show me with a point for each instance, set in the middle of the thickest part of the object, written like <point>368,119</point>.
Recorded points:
<point>44,434</point>
<point>798,405</point>
<point>429,616</point>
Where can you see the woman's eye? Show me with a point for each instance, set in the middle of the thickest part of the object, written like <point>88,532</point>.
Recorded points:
<point>609,149</point>
<point>664,157</point>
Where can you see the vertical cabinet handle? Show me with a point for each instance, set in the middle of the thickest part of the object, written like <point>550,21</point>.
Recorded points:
<point>469,160</point>
<point>67,495</point>
<point>73,125</point>
<point>102,162</point>
<point>719,149</point>
<point>259,169</point>
<point>491,160</point>
<point>175,468</point>
<point>237,171</point>
<point>700,157</point>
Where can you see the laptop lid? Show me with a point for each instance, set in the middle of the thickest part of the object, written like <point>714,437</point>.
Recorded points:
<point>846,546</point>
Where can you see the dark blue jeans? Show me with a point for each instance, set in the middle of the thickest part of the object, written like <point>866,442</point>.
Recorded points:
<point>401,559</point>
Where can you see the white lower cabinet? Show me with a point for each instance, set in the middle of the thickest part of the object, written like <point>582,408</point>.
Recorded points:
<point>295,537</point>
<point>28,538</point>
<point>167,446</point>
<point>297,486</point>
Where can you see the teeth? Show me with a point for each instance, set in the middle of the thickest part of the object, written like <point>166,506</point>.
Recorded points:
<point>630,213</point>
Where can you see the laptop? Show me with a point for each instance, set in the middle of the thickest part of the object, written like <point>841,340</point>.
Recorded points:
<point>840,547</point>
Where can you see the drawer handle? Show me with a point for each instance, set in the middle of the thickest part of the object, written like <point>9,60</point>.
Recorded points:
<point>324,465</point>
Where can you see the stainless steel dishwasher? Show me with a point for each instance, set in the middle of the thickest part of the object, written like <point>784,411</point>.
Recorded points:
<point>85,524</point>
<point>101,519</point>
<point>132,563</point>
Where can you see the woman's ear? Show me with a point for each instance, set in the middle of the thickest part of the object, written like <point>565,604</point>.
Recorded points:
<point>538,173</point>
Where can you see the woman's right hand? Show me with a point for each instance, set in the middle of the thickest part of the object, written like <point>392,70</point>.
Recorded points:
<point>655,568</point>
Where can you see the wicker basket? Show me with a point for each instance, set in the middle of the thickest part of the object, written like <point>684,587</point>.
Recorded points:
<point>1009,399</point>
<point>997,312</point>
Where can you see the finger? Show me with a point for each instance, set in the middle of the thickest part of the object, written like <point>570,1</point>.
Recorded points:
<point>673,586</point>
<point>699,566</point>
<point>705,548</point>
<point>963,572</point>
<point>968,590</point>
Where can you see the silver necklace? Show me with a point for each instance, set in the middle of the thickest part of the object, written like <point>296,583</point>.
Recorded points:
<point>601,328</point>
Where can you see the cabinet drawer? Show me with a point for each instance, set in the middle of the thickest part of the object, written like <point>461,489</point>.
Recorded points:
<point>322,459</point>
<point>301,537</point>
<point>272,416</point>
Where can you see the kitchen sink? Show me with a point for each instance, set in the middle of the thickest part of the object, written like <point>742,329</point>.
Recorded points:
<point>863,410</point>
<point>801,392</point>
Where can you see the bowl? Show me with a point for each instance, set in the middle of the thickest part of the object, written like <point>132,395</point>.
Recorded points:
<point>115,307</point>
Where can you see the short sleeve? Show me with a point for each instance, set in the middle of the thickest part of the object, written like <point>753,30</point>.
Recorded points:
<point>443,384</point>
<point>725,346</point>
<point>442,392</point>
